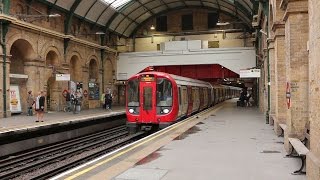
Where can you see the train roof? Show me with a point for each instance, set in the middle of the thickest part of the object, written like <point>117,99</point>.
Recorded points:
<point>179,79</point>
<point>188,81</point>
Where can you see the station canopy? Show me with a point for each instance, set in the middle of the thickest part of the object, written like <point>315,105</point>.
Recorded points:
<point>124,17</point>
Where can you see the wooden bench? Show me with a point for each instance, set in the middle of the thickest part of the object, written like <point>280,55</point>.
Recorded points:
<point>283,127</point>
<point>300,149</point>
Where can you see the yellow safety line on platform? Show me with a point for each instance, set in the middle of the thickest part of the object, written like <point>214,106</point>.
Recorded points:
<point>133,147</point>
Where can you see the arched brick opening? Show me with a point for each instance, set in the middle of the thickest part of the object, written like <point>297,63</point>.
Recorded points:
<point>93,70</point>
<point>75,69</point>
<point>22,53</point>
<point>53,95</point>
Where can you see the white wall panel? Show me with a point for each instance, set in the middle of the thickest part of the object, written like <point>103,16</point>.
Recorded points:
<point>231,58</point>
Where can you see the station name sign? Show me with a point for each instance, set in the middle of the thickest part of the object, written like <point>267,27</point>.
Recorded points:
<point>62,77</point>
<point>250,73</point>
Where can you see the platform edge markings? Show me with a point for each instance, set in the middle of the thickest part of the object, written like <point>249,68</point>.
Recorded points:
<point>127,148</point>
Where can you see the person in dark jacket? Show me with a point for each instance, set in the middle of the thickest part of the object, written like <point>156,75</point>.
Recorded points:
<point>68,101</point>
<point>108,99</point>
<point>39,106</point>
<point>243,97</point>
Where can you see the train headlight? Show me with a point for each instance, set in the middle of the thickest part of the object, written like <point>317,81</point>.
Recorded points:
<point>131,111</point>
<point>165,111</point>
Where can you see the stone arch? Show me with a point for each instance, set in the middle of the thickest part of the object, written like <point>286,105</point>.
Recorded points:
<point>108,71</point>
<point>13,38</point>
<point>75,68</point>
<point>53,92</point>
<point>52,59</point>
<point>22,53</point>
<point>49,46</point>
<point>93,69</point>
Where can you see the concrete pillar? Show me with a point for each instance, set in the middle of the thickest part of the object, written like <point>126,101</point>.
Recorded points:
<point>296,37</point>
<point>313,157</point>
<point>280,76</point>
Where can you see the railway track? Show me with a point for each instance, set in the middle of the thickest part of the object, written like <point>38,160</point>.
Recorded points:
<point>51,160</point>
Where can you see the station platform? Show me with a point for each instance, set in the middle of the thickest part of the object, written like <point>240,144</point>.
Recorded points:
<point>22,121</point>
<point>230,143</point>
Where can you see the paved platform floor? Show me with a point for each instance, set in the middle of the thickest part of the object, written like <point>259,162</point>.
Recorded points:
<point>235,144</point>
<point>21,120</point>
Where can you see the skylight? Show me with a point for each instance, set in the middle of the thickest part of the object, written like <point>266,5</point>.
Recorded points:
<point>116,3</point>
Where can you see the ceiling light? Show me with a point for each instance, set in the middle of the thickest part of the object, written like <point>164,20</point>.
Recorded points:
<point>222,23</point>
<point>54,15</point>
<point>99,33</point>
<point>152,27</point>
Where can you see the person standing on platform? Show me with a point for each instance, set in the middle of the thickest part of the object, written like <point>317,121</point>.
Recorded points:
<point>68,101</point>
<point>73,102</point>
<point>103,100</point>
<point>30,102</point>
<point>39,106</point>
<point>108,99</point>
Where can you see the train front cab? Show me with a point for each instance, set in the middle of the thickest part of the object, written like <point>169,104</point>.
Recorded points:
<point>150,102</point>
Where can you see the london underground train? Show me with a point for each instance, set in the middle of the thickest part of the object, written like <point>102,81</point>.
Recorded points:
<point>157,100</point>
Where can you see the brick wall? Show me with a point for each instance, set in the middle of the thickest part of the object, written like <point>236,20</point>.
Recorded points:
<point>313,158</point>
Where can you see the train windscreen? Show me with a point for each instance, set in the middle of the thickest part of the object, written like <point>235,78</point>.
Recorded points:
<point>164,92</point>
<point>133,93</point>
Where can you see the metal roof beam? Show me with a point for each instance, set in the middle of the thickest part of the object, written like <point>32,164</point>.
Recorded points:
<point>120,12</point>
<point>145,7</point>
<point>85,15</point>
<point>164,4</point>
<point>105,9</point>
<point>68,21</point>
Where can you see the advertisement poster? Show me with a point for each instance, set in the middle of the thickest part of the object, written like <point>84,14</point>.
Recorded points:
<point>93,91</point>
<point>15,102</point>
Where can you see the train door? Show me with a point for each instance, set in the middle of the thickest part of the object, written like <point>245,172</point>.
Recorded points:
<point>201,98</point>
<point>184,99</point>
<point>180,101</point>
<point>148,97</point>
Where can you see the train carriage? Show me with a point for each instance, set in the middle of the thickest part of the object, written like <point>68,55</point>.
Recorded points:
<point>157,99</point>
<point>160,99</point>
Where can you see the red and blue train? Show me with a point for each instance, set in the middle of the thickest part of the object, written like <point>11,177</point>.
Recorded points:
<point>157,99</point>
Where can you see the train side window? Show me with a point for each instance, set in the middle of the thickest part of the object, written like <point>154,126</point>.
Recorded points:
<point>164,92</point>
<point>184,94</point>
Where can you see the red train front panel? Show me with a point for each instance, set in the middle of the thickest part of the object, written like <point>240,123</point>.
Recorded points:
<point>151,99</point>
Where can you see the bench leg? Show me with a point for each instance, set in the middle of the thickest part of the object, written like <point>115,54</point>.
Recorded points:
<point>298,172</point>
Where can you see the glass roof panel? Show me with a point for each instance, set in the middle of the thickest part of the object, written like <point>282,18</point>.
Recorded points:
<point>116,3</point>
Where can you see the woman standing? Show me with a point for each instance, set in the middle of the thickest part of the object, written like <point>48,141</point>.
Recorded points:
<point>40,100</point>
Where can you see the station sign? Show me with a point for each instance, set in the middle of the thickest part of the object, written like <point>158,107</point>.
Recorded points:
<point>62,77</point>
<point>18,76</point>
<point>250,73</point>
